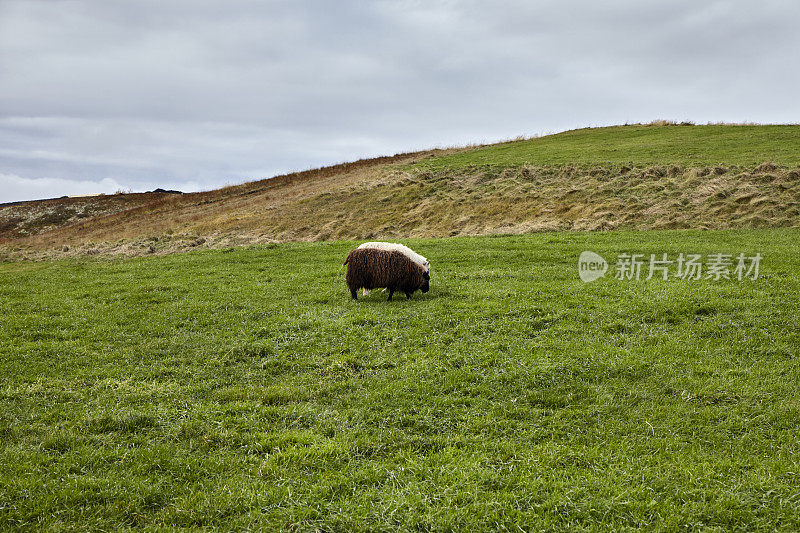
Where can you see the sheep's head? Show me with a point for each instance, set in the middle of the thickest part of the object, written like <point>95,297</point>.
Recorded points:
<point>427,284</point>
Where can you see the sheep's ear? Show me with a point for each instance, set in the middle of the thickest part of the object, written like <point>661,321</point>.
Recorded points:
<point>425,275</point>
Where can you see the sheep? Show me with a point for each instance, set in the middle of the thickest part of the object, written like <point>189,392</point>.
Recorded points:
<point>414,256</point>
<point>370,268</point>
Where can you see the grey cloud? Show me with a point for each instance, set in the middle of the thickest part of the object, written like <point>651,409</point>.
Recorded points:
<point>209,92</point>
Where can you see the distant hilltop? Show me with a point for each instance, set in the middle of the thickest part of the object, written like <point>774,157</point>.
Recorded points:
<point>159,190</point>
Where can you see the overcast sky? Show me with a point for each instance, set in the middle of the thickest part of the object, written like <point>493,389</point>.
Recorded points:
<point>97,96</point>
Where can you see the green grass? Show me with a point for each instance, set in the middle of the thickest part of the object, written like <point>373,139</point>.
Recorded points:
<point>244,389</point>
<point>641,146</point>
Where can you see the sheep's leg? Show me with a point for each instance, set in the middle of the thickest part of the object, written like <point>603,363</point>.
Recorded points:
<point>408,295</point>
<point>391,291</point>
<point>354,293</point>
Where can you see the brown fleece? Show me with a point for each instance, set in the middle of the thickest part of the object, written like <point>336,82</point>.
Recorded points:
<point>370,268</point>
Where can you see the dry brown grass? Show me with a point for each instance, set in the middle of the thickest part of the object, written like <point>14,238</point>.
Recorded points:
<point>381,199</point>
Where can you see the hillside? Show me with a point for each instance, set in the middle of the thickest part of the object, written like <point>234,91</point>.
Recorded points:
<point>622,177</point>
<point>23,219</point>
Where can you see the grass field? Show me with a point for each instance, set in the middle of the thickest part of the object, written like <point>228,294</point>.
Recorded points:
<point>243,388</point>
<point>642,145</point>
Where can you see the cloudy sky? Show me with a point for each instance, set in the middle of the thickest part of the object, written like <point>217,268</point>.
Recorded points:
<point>97,96</point>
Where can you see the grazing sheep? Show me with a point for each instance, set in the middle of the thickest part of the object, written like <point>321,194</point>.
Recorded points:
<point>370,268</point>
<point>389,246</point>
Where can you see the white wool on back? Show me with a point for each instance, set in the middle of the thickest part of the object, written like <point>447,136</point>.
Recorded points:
<point>408,252</point>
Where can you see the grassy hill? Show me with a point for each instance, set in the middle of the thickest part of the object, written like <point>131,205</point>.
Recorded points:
<point>642,145</point>
<point>244,390</point>
<point>623,177</point>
